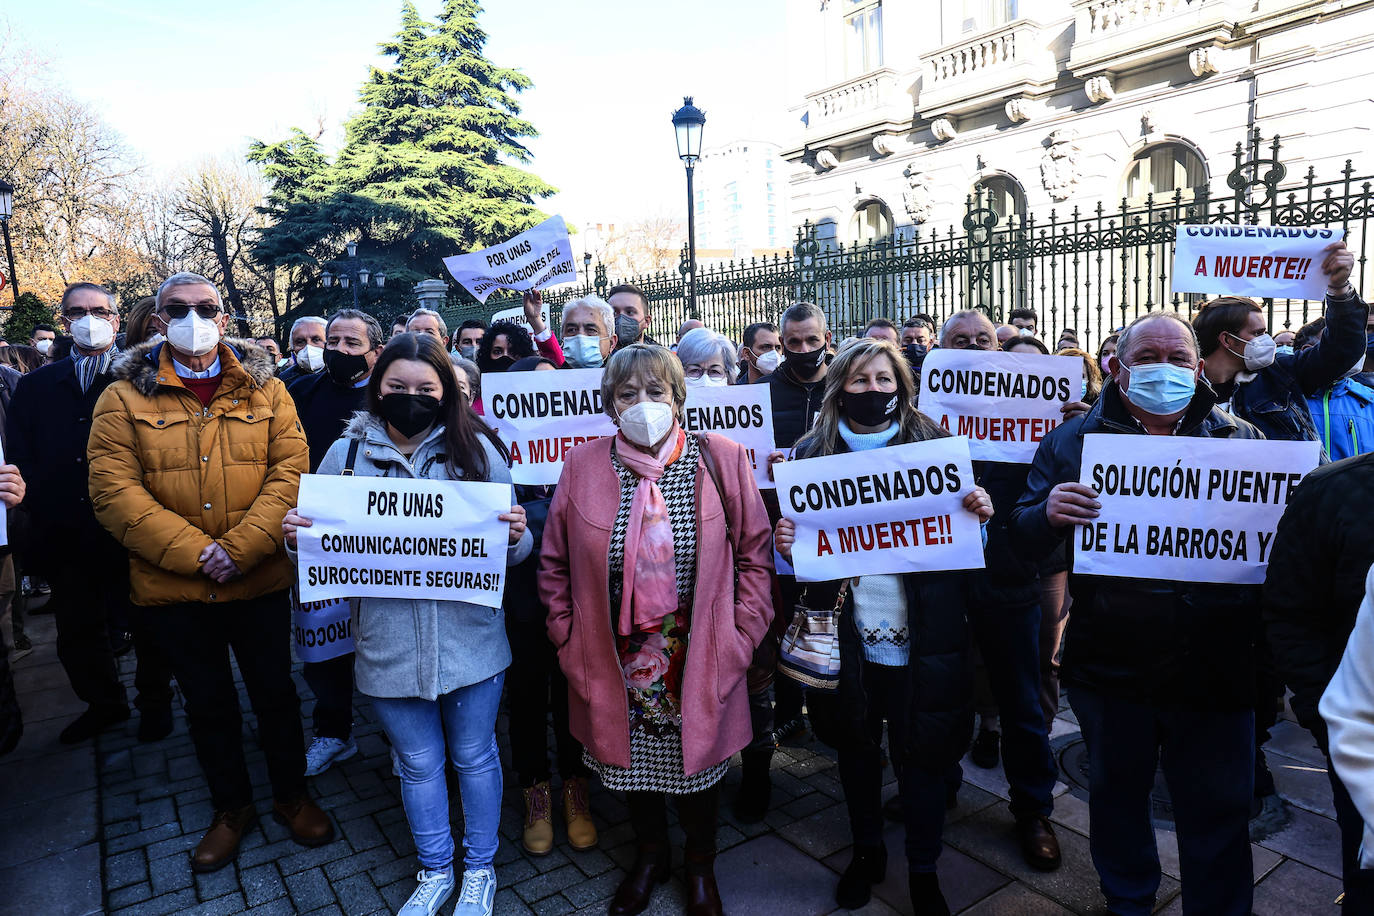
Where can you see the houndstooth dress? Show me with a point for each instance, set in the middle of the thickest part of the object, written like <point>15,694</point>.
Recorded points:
<point>655,712</point>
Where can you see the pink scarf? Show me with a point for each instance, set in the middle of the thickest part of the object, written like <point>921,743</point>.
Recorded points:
<point>650,578</point>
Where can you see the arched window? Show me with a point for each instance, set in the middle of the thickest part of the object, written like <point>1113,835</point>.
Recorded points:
<point>1165,168</point>
<point>872,221</point>
<point>1004,196</point>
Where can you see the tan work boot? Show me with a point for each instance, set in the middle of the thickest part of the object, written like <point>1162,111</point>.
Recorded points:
<point>220,844</point>
<point>577,814</point>
<point>538,836</point>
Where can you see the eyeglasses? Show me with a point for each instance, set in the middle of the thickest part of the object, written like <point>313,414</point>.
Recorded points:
<point>206,310</point>
<point>78,314</point>
<point>714,372</point>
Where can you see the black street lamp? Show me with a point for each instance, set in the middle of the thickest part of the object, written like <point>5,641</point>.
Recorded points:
<point>6,211</point>
<point>688,122</point>
<point>587,267</point>
<point>354,269</point>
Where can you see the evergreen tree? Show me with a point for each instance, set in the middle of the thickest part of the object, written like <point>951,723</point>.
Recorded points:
<point>430,166</point>
<point>27,313</point>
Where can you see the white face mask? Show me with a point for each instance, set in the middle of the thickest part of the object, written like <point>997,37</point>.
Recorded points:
<point>1258,353</point>
<point>311,358</point>
<point>706,381</point>
<point>646,422</point>
<point>193,334</point>
<point>43,346</point>
<point>155,339</point>
<point>768,361</point>
<point>92,333</point>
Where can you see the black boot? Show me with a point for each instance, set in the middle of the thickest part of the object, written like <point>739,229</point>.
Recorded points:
<point>755,787</point>
<point>926,899</point>
<point>867,868</point>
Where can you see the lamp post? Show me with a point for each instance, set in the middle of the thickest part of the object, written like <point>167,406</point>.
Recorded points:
<point>6,211</point>
<point>587,267</point>
<point>354,273</point>
<point>688,122</point>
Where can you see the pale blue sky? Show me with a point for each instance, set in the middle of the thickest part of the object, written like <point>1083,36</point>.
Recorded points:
<point>181,82</point>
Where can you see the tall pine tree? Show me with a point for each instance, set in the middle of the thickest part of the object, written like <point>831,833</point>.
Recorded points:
<point>430,167</point>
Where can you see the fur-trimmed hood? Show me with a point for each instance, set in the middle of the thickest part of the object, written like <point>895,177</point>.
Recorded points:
<point>362,423</point>
<point>139,364</point>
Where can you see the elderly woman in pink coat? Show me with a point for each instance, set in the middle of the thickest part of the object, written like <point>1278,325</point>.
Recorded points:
<point>656,569</point>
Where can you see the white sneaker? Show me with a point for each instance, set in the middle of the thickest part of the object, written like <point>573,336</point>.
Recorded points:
<point>325,752</point>
<point>478,896</point>
<point>434,890</point>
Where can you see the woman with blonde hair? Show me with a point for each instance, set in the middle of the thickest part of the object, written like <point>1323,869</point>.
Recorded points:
<point>904,643</point>
<point>656,571</point>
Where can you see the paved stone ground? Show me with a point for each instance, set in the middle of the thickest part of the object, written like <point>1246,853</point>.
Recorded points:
<point>106,828</point>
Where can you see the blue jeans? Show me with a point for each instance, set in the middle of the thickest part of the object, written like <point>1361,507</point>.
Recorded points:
<point>417,729</point>
<point>1008,636</point>
<point>1208,760</point>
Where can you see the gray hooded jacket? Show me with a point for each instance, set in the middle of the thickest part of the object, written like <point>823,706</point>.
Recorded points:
<point>421,648</point>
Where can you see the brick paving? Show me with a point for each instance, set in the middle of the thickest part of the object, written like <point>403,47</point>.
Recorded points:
<point>106,829</point>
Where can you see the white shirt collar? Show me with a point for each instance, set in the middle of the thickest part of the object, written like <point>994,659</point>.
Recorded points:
<point>185,372</point>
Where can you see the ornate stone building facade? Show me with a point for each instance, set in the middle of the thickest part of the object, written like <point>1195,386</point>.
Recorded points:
<point>904,108</point>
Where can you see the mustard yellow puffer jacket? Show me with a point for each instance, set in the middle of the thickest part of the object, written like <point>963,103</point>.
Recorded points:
<point>168,476</point>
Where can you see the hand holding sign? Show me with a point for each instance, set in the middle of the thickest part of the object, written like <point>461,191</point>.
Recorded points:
<point>533,304</point>
<point>516,518</point>
<point>1338,264</point>
<point>1072,503</point>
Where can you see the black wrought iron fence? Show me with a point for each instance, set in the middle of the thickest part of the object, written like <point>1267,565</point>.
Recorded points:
<point>1089,270</point>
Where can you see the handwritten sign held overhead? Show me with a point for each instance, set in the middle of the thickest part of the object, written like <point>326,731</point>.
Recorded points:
<point>535,259</point>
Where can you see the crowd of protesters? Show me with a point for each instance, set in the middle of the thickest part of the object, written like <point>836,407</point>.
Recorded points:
<point>151,473</point>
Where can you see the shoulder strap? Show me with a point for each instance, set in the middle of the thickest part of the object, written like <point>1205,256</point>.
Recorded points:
<point>352,459</point>
<point>704,443</point>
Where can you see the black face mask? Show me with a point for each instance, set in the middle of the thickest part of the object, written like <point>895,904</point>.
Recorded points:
<point>345,368</point>
<point>915,354</point>
<point>409,414</point>
<point>869,408</point>
<point>805,365</point>
<point>495,363</point>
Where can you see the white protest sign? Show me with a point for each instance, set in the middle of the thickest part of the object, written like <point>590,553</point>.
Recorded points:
<point>535,259</point>
<point>740,413</point>
<point>323,629</point>
<point>1259,261</point>
<point>1190,510</point>
<point>390,537</point>
<point>1004,402</point>
<point>542,416</point>
<point>517,315</point>
<point>887,510</point>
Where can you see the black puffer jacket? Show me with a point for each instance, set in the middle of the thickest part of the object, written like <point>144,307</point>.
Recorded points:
<point>940,703</point>
<point>1145,640</point>
<point>1322,551</point>
<point>795,404</point>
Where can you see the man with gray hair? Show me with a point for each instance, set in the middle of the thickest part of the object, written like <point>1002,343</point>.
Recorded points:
<point>307,348</point>
<point>428,321</point>
<point>195,456</point>
<point>1158,670</point>
<point>589,335</point>
<point>49,419</point>
<point>325,402</point>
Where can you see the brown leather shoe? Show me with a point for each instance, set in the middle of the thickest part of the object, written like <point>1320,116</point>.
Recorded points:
<point>651,867</point>
<point>1039,845</point>
<point>703,898</point>
<point>220,844</point>
<point>309,825</point>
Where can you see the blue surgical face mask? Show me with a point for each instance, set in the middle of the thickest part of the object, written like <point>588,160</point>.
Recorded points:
<point>1161,388</point>
<point>582,351</point>
<point>1284,350</point>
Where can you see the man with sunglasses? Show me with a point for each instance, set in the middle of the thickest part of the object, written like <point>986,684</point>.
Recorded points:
<point>195,456</point>
<point>47,425</point>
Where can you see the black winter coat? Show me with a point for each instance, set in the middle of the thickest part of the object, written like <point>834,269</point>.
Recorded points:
<point>940,704</point>
<point>1144,640</point>
<point>46,428</point>
<point>1321,553</point>
<point>324,407</point>
<point>1008,578</point>
<point>795,405</point>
